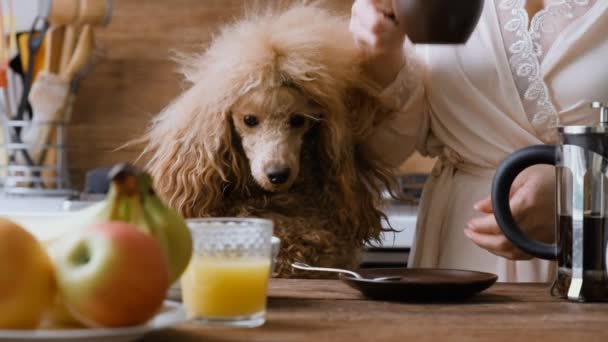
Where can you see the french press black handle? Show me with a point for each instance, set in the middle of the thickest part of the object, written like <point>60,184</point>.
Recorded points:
<point>501,187</point>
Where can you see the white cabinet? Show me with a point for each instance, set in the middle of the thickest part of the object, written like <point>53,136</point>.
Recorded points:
<point>394,247</point>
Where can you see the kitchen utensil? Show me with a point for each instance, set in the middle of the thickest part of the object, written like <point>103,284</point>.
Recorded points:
<point>95,12</point>
<point>12,50</point>
<point>35,40</point>
<point>581,160</point>
<point>13,132</point>
<point>420,285</point>
<point>12,28</point>
<point>53,44</point>
<point>81,62</point>
<point>7,102</point>
<point>438,21</point>
<point>355,275</point>
<point>3,158</point>
<point>17,69</point>
<point>69,40</point>
<point>63,12</point>
<point>49,94</point>
<point>28,54</point>
<point>79,17</point>
<point>171,314</point>
<point>24,53</point>
<point>57,136</point>
<point>51,159</point>
<point>88,12</point>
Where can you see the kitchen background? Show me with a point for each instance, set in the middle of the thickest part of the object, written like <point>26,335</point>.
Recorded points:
<point>133,79</point>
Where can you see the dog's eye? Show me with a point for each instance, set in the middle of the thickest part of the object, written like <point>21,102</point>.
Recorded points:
<point>250,120</point>
<point>297,121</point>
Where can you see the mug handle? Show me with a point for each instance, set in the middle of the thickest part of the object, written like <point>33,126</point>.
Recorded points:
<point>501,187</point>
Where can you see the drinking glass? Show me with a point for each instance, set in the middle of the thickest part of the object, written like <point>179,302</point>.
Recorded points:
<point>226,281</point>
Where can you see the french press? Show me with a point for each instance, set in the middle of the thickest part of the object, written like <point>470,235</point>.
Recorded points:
<point>581,160</point>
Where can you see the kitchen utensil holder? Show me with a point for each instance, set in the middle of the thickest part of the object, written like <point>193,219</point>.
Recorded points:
<point>38,179</point>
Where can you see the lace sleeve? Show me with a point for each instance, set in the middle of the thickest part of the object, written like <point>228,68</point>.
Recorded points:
<point>407,80</point>
<point>396,137</point>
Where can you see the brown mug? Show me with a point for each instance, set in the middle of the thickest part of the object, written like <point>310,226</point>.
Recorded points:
<point>438,21</point>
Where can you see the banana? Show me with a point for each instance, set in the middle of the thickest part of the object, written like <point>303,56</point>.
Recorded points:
<point>149,213</point>
<point>167,222</point>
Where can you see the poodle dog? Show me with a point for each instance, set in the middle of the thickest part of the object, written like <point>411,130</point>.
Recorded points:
<point>273,124</point>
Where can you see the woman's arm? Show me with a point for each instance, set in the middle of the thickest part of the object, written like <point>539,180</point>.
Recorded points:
<point>379,37</point>
<point>392,63</point>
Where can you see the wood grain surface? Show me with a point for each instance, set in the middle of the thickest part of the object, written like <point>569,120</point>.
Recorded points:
<point>327,310</point>
<point>134,77</point>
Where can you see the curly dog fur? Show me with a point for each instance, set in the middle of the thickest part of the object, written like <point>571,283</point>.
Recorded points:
<point>279,90</point>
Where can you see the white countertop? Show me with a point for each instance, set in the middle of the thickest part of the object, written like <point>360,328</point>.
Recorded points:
<point>23,205</point>
<point>402,217</point>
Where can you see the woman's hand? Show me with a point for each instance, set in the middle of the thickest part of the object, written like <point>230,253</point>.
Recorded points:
<point>374,28</point>
<point>532,202</point>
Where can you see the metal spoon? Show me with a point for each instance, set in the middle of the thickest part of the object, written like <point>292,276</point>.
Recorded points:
<point>305,267</point>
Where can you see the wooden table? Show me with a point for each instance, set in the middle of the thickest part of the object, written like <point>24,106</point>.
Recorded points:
<point>327,310</point>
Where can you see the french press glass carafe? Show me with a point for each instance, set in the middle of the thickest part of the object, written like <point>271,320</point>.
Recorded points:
<point>581,160</point>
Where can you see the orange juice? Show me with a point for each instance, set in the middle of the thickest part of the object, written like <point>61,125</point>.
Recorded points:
<point>225,288</point>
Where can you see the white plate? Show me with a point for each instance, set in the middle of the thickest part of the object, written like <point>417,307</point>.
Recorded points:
<point>170,315</point>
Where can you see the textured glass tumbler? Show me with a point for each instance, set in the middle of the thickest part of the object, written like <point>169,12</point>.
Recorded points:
<point>226,281</point>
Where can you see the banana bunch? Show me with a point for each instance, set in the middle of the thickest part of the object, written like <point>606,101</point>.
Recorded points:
<point>132,199</point>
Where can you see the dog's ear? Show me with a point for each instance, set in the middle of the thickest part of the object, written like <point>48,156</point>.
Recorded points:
<point>194,158</point>
<point>357,179</point>
<point>373,175</point>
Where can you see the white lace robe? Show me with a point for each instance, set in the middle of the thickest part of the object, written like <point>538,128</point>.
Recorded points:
<point>472,105</point>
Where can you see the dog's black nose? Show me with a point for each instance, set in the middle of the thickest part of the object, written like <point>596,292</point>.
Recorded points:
<point>278,176</point>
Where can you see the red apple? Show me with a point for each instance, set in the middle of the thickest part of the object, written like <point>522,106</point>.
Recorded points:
<point>111,275</point>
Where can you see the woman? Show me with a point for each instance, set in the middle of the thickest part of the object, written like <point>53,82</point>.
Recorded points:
<point>472,105</point>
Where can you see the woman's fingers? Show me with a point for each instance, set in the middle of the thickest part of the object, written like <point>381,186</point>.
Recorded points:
<point>368,17</point>
<point>497,244</point>
<point>492,242</point>
<point>484,225</point>
<point>519,202</point>
<point>363,36</point>
<point>384,6</point>
<point>484,205</point>
<point>372,26</point>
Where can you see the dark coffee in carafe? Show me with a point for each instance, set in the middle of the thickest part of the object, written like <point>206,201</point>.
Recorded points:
<point>595,279</point>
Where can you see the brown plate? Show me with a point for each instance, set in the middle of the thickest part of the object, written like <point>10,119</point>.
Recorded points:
<point>421,284</point>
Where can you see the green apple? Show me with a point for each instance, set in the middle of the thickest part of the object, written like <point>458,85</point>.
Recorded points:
<point>111,275</point>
